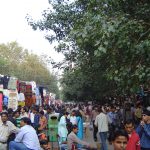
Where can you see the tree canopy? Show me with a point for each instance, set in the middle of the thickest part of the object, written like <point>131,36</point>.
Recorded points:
<point>18,62</point>
<point>108,42</point>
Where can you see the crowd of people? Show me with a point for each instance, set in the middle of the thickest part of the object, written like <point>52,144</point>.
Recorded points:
<point>125,127</point>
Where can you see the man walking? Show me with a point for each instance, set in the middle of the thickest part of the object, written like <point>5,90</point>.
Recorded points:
<point>95,129</point>
<point>101,122</point>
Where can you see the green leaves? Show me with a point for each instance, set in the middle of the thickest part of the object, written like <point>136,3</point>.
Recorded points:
<point>100,51</point>
<point>16,61</point>
<point>110,43</point>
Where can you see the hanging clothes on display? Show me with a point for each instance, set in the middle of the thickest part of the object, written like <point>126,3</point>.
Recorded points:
<point>22,87</point>
<point>41,93</point>
<point>29,101</point>
<point>12,84</point>
<point>1,79</point>
<point>5,82</point>
<point>15,92</point>
<point>28,92</point>
<point>38,96</point>
<point>21,99</point>
<point>1,87</point>
<point>28,95</point>
<point>6,92</point>
<point>1,93</point>
<point>34,98</point>
<point>5,97</point>
<point>5,100</point>
<point>13,99</point>
<point>1,101</point>
<point>33,84</point>
<point>17,85</point>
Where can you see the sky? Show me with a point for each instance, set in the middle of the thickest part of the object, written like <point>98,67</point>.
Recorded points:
<point>14,26</point>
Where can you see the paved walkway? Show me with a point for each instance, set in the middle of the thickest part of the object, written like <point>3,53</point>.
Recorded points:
<point>88,136</point>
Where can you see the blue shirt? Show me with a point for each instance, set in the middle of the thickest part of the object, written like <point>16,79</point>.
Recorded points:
<point>36,121</point>
<point>5,100</point>
<point>28,137</point>
<point>37,92</point>
<point>112,117</point>
<point>144,133</point>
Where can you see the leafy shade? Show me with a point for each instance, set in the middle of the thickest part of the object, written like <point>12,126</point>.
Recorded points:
<point>107,41</point>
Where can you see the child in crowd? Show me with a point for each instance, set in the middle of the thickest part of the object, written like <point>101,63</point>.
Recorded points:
<point>44,145</point>
<point>119,139</point>
<point>36,117</point>
<point>17,118</point>
<point>24,112</point>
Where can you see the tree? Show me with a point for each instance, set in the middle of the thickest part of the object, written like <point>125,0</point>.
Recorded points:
<point>108,41</point>
<point>16,61</point>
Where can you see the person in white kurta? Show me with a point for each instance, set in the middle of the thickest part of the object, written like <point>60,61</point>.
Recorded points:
<point>62,128</point>
<point>73,118</point>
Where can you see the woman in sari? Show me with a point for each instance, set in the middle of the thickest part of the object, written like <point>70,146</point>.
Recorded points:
<point>80,125</point>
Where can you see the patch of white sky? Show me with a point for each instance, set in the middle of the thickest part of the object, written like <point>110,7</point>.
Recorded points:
<point>14,26</point>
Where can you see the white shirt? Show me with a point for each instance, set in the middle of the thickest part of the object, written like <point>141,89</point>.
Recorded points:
<point>73,120</point>
<point>102,122</point>
<point>32,117</point>
<point>24,115</point>
<point>28,137</point>
<point>62,129</point>
<point>21,97</point>
<point>6,130</point>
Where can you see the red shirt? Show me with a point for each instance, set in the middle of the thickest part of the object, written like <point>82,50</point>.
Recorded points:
<point>134,142</point>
